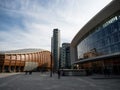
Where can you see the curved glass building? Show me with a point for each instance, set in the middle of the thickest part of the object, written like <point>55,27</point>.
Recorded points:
<point>104,39</point>
<point>97,45</point>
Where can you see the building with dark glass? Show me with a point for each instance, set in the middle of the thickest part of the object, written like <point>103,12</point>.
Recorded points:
<point>56,48</point>
<point>97,45</point>
<point>65,56</point>
<point>24,60</point>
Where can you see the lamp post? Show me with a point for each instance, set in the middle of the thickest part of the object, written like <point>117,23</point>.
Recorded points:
<point>51,66</point>
<point>51,58</point>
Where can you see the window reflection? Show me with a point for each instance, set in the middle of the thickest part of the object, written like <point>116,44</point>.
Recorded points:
<point>106,39</point>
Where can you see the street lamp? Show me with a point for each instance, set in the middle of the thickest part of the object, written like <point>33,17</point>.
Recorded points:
<point>51,57</point>
<point>51,65</point>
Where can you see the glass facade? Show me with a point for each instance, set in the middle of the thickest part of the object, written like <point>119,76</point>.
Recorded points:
<point>105,39</point>
<point>56,48</point>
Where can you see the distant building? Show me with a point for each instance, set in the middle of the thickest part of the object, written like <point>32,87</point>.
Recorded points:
<point>56,48</point>
<point>65,56</point>
<point>24,60</point>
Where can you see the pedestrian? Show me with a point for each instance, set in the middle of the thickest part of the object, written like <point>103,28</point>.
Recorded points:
<point>30,72</point>
<point>26,72</point>
<point>106,72</point>
<point>58,74</point>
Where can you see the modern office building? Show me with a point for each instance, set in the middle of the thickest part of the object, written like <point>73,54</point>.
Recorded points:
<point>56,48</point>
<point>24,60</point>
<point>97,45</point>
<point>65,56</point>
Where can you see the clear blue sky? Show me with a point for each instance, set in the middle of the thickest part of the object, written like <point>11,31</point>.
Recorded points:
<point>30,23</point>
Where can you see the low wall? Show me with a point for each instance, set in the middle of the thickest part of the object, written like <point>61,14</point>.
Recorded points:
<point>73,72</point>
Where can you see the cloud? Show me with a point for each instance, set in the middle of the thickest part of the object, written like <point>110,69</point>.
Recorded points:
<point>34,21</point>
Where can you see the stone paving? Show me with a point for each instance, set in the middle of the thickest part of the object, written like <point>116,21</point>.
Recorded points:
<point>43,81</point>
<point>2,75</point>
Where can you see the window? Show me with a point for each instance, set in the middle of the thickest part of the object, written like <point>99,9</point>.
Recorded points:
<point>18,57</point>
<point>7,57</point>
<point>14,57</point>
<point>119,35</point>
<point>115,37</point>
<point>119,25</point>
<point>118,47</point>
<point>114,48</point>
<point>107,41</point>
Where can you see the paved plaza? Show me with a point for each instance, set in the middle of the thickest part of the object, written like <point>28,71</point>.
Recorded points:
<point>43,81</point>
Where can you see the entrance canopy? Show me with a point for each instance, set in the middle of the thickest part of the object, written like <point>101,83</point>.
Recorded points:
<point>103,57</point>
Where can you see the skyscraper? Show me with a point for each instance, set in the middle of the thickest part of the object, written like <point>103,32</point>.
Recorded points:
<point>56,48</point>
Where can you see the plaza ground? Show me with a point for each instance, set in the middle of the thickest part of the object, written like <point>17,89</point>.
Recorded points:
<point>43,81</point>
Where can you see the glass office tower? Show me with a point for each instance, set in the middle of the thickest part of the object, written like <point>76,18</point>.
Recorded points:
<point>56,48</point>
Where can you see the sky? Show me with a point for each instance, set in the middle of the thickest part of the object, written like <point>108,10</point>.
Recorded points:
<point>30,23</point>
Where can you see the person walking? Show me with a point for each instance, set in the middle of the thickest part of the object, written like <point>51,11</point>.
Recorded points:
<point>30,72</point>
<point>58,74</point>
<point>26,72</point>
